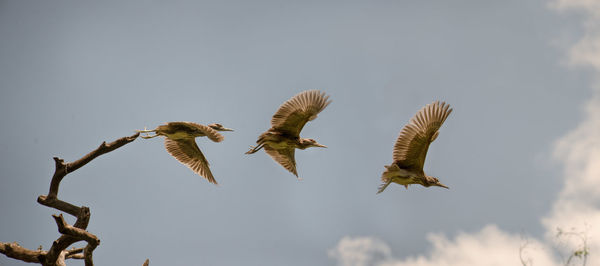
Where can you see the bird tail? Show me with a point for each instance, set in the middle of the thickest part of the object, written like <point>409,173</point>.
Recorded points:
<point>390,170</point>
<point>386,177</point>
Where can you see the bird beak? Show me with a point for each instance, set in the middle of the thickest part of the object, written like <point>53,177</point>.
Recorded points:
<point>226,129</point>
<point>320,145</point>
<point>442,185</point>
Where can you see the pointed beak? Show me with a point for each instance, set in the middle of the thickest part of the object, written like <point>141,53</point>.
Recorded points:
<point>226,129</point>
<point>320,145</point>
<point>442,185</point>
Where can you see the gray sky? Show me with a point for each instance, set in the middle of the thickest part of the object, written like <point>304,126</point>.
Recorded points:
<point>74,74</point>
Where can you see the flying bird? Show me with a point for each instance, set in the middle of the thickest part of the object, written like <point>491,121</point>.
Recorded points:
<point>180,143</point>
<point>283,138</point>
<point>411,148</point>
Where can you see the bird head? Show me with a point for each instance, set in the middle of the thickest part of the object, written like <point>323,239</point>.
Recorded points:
<point>432,181</point>
<point>219,127</point>
<point>310,143</point>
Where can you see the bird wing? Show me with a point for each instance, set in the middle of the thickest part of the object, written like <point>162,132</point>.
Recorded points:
<point>208,131</point>
<point>187,152</point>
<point>285,157</point>
<point>293,114</point>
<point>413,142</point>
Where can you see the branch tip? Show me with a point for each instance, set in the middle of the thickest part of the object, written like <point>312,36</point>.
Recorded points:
<point>133,137</point>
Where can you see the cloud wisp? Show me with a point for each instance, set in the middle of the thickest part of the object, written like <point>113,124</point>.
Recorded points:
<point>576,209</point>
<point>361,251</point>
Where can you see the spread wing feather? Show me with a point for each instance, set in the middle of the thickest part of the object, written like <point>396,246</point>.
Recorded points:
<point>187,152</point>
<point>293,114</point>
<point>413,142</point>
<point>285,157</point>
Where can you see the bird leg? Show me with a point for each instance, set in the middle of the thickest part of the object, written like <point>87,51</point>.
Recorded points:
<point>146,131</point>
<point>148,136</point>
<point>254,149</point>
<point>384,185</point>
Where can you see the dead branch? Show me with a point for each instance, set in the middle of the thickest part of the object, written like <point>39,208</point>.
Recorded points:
<point>75,232</point>
<point>13,250</point>
<point>75,253</point>
<point>57,254</point>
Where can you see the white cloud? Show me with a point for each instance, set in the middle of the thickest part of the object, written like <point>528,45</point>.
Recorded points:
<point>590,7</point>
<point>577,207</point>
<point>490,246</point>
<point>587,50</point>
<point>578,204</point>
<point>360,251</point>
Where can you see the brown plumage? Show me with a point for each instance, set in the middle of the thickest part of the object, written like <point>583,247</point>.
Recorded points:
<point>281,140</point>
<point>411,148</point>
<point>181,144</point>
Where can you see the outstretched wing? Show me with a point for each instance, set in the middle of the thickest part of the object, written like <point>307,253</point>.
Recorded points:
<point>187,152</point>
<point>293,114</point>
<point>285,157</point>
<point>191,126</point>
<point>414,139</point>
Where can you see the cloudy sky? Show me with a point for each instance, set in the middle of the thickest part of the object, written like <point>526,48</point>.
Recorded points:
<point>520,152</point>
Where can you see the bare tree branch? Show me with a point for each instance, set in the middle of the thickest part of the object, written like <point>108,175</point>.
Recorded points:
<point>63,169</point>
<point>57,254</point>
<point>75,253</point>
<point>61,259</point>
<point>87,254</point>
<point>15,251</point>
<point>75,232</point>
<point>65,241</point>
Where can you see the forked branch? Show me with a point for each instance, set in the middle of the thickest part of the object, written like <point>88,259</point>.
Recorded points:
<point>57,253</point>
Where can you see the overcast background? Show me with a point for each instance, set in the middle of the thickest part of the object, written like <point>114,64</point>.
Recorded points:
<point>75,73</point>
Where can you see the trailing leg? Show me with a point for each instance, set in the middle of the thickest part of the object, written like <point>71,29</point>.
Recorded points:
<point>255,148</point>
<point>146,131</point>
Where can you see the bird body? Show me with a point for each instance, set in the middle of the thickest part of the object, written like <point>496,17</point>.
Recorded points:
<point>278,140</point>
<point>281,140</point>
<point>394,173</point>
<point>411,148</point>
<point>180,143</point>
<point>184,130</point>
